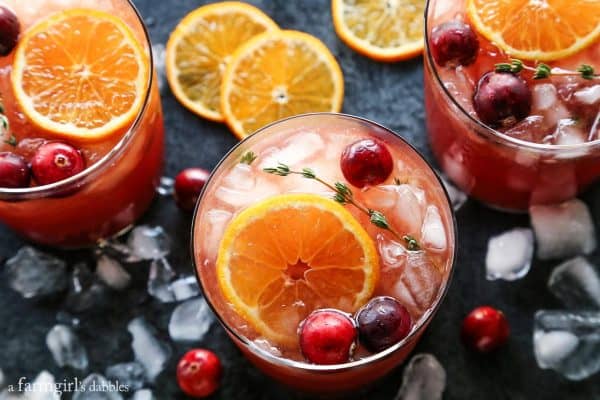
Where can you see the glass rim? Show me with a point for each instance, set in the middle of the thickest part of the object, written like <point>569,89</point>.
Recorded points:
<point>483,129</point>
<point>12,194</point>
<point>416,329</point>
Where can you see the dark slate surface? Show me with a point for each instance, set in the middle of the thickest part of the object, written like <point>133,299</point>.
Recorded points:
<point>389,94</point>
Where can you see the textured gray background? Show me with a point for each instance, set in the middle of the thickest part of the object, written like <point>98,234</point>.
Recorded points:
<point>389,94</point>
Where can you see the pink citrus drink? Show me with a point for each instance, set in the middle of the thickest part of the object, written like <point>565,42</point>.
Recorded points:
<point>264,267</point>
<point>537,142</point>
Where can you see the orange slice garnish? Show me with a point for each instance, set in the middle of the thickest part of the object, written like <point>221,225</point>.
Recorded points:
<point>540,30</point>
<point>290,254</point>
<point>80,74</point>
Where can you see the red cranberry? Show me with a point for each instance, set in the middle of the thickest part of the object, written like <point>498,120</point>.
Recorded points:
<point>454,43</point>
<point>199,373</point>
<point>56,161</point>
<point>366,162</point>
<point>502,99</point>
<point>14,171</point>
<point>327,337</point>
<point>188,185</point>
<point>382,323</point>
<point>485,329</point>
<point>9,30</point>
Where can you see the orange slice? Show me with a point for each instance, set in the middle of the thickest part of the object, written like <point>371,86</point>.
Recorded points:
<point>80,74</point>
<point>200,48</point>
<point>384,30</point>
<point>290,254</point>
<point>276,75</point>
<point>541,30</point>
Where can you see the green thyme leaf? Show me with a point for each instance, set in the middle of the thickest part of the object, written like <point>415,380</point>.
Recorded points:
<point>587,71</point>
<point>308,173</point>
<point>542,71</point>
<point>248,157</point>
<point>12,141</point>
<point>411,243</point>
<point>378,219</point>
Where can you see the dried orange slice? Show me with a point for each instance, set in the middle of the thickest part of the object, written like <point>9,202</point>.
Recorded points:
<point>276,75</point>
<point>80,74</point>
<point>384,30</point>
<point>200,48</point>
<point>541,30</point>
<point>290,254</point>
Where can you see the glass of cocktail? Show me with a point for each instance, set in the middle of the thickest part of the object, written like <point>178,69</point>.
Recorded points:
<point>512,98</point>
<point>324,221</point>
<point>81,147</point>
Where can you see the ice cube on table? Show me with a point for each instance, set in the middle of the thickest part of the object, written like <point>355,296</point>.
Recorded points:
<point>166,186</point>
<point>66,348</point>
<point>424,378</point>
<point>148,349</point>
<point>44,388</point>
<point>588,95</point>
<point>35,274</point>
<point>97,387</point>
<point>111,272</point>
<point>509,254</point>
<point>568,342</point>
<point>85,290</point>
<point>576,283</point>
<point>457,197</point>
<point>149,242</point>
<point>143,394</point>
<point>185,288</point>
<point>190,321</point>
<point>159,280</point>
<point>544,96</point>
<point>130,374</point>
<point>433,233</point>
<point>563,230</point>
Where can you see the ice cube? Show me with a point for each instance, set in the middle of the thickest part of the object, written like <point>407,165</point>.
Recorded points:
<point>457,197</point>
<point>577,283</point>
<point>559,112</point>
<point>568,342</point>
<point>33,273</point>
<point>112,273</point>
<point>241,198</point>
<point>419,284</point>
<point>509,254</point>
<point>240,177</point>
<point>118,250</point>
<point>159,280</point>
<point>149,242</point>
<point>43,387</point>
<point>297,149</point>
<point>166,186</point>
<point>433,233</point>
<point>568,133</point>
<point>148,349</point>
<point>143,394</point>
<point>404,205</point>
<point>267,346</point>
<point>532,129</point>
<point>66,348</point>
<point>392,253</point>
<point>424,378</point>
<point>185,288</point>
<point>216,221</point>
<point>563,230</point>
<point>97,387</point>
<point>589,95</point>
<point>130,374</point>
<point>190,321</point>
<point>85,290</point>
<point>158,57</point>
<point>544,96</point>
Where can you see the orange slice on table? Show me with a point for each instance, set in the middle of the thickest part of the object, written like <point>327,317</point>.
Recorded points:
<point>276,75</point>
<point>384,30</point>
<point>80,74</point>
<point>541,30</point>
<point>287,255</point>
<point>200,47</point>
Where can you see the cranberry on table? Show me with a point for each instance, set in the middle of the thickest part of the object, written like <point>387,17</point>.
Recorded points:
<point>485,329</point>
<point>199,373</point>
<point>9,30</point>
<point>327,337</point>
<point>382,323</point>
<point>453,43</point>
<point>14,171</point>
<point>56,161</point>
<point>188,185</point>
<point>366,162</point>
<point>502,99</point>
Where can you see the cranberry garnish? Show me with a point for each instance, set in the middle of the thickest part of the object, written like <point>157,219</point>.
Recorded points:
<point>199,373</point>
<point>9,30</point>
<point>502,99</point>
<point>56,161</point>
<point>14,171</point>
<point>366,162</point>
<point>454,43</point>
<point>327,337</point>
<point>382,323</point>
<point>485,329</point>
<point>188,185</point>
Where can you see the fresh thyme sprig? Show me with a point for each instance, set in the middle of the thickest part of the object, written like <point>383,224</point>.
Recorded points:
<point>543,71</point>
<point>343,195</point>
<point>248,157</point>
